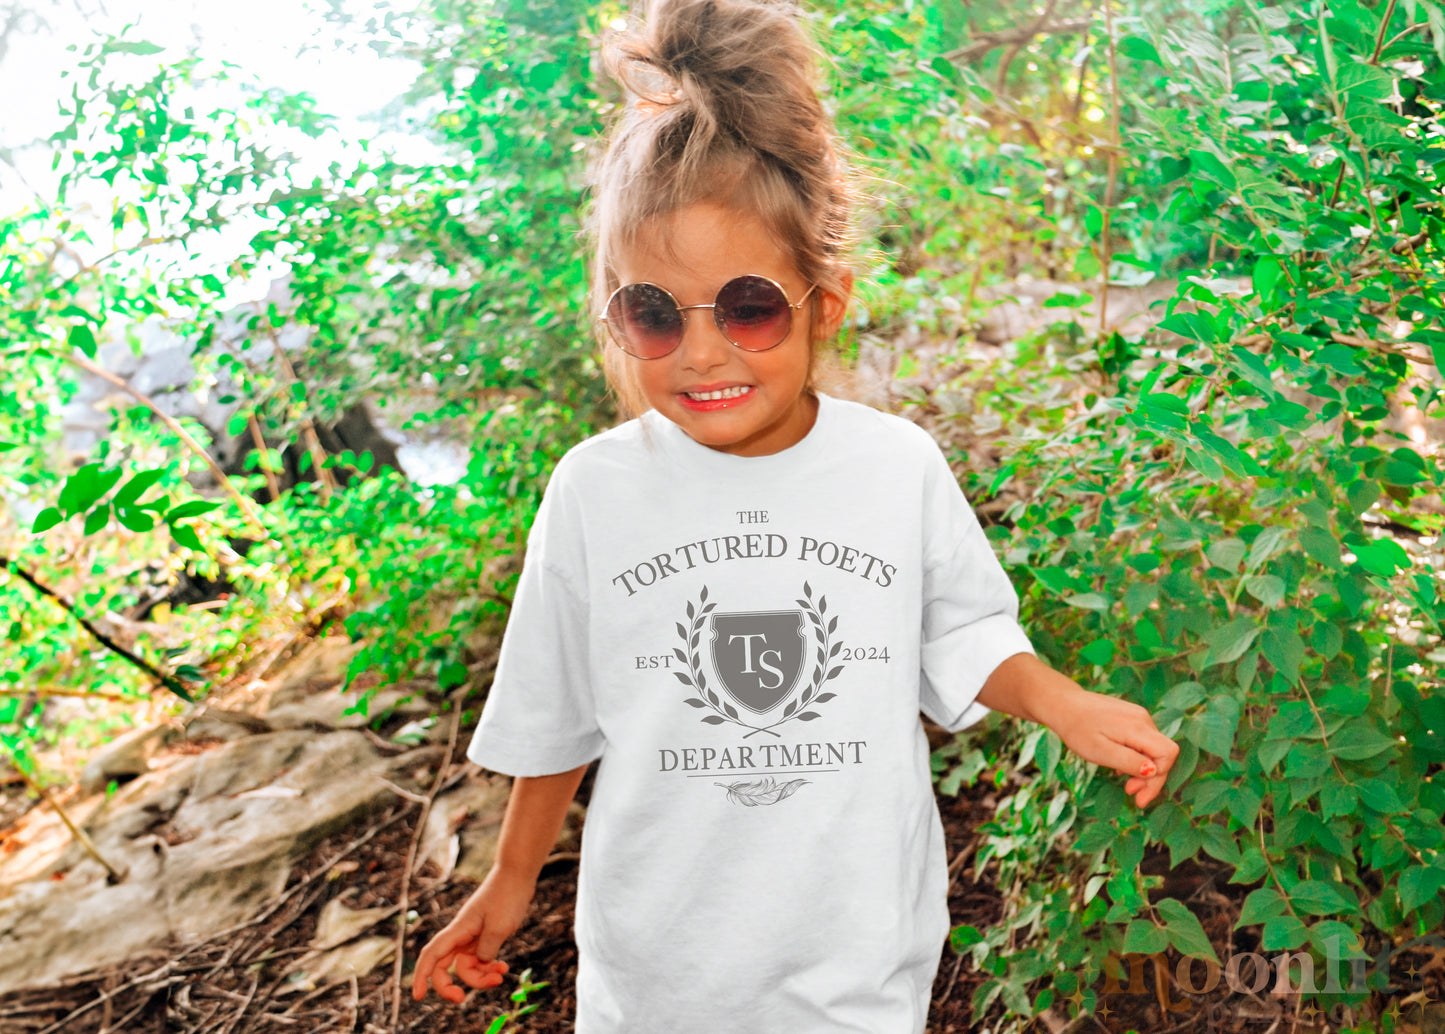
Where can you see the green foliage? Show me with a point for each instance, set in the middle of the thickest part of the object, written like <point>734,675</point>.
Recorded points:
<point>1231,528</point>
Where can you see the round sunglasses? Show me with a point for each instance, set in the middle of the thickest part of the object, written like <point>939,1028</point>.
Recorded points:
<point>752,312</point>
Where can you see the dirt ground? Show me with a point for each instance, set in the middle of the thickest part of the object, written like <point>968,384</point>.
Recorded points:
<point>237,983</point>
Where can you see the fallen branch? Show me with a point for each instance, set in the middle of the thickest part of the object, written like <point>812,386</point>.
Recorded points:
<point>456,699</point>
<point>169,681</point>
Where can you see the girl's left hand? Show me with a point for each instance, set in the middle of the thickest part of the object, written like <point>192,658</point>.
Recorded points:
<point>1117,734</point>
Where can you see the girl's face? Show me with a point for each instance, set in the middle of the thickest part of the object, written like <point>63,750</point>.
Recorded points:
<point>713,245</point>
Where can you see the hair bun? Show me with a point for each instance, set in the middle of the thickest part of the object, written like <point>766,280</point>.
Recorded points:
<point>718,60</point>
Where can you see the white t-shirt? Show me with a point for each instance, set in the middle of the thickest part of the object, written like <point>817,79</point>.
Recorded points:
<point>746,643</point>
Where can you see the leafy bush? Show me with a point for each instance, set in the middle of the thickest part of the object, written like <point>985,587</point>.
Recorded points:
<point>1227,527</point>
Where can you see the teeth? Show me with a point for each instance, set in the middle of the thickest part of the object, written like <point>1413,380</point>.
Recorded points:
<point>725,393</point>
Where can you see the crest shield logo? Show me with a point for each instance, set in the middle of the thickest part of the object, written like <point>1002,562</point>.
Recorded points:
<point>758,655</point>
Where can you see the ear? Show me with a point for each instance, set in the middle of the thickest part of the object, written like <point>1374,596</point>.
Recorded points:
<point>832,308</point>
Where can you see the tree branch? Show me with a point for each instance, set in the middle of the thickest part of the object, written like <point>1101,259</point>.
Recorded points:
<point>169,681</point>
<point>984,42</point>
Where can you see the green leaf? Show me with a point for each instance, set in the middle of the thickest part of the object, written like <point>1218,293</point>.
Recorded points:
<point>1100,651</point>
<point>46,519</point>
<point>451,675</point>
<point>1382,557</point>
<point>1217,725</point>
<point>1317,897</point>
<point>141,47</point>
<point>1380,795</point>
<point>1265,545</point>
<point>1260,906</point>
<point>1358,740</point>
<point>1320,546</point>
<point>97,519</point>
<point>1267,588</point>
<point>83,338</point>
<point>191,509</point>
<point>1184,930</point>
<point>1419,884</point>
<point>186,536</point>
<point>1284,932</point>
<point>1285,650</point>
<point>1144,938</point>
<point>1137,48</point>
<point>1362,495</point>
<point>1251,868</point>
<point>133,489</point>
<point>134,519</point>
<point>83,488</point>
<point>1337,798</point>
<point>1226,553</point>
<point>1266,274</point>
<point>1088,601</point>
<point>1252,368</point>
<point>1229,641</point>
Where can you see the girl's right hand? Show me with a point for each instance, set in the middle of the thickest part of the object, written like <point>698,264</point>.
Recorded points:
<point>470,941</point>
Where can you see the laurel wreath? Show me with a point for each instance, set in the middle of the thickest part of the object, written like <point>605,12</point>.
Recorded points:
<point>723,711</point>
<point>764,791</point>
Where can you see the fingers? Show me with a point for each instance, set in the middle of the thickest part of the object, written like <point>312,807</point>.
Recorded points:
<point>434,968</point>
<point>436,961</point>
<point>442,956</point>
<point>1143,753</point>
<point>479,973</point>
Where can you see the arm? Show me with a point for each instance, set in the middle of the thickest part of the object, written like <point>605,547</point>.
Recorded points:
<point>535,811</point>
<point>1106,730</point>
<point>530,826</point>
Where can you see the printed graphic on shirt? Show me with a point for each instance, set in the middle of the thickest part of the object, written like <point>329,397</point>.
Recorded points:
<point>758,657</point>
<point>759,660</point>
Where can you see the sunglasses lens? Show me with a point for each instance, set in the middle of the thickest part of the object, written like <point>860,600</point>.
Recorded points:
<point>646,319</point>
<point>753,313</point>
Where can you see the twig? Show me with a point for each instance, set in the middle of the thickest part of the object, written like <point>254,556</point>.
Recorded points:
<point>244,504</point>
<point>1105,249</point>
<point>113,876</point>
<point>987,41</point>
<point>236,1018</point>
<point>324,478</point>
<point>456,699</point>
<point>41,694</point>
<point>1018,43</point>
<point>415,798</point>
<point>108,995</point>
<point>264,454</point>
<point>952,981</point>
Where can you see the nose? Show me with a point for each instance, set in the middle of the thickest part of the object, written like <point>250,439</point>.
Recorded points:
<point>703,345</point>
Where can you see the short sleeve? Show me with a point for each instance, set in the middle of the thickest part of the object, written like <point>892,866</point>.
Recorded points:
<point>970,608</point>
<point>538,718</point>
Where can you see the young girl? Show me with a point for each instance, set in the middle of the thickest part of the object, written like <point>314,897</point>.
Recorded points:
<point>740,599</point>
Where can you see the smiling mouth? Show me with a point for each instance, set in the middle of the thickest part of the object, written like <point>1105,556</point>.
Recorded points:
<point>725,393</point>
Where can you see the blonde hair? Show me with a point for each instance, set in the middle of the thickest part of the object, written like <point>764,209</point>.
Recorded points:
<point>723,108</point>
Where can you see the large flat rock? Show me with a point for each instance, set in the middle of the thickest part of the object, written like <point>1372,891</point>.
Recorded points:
<point>206,843</point>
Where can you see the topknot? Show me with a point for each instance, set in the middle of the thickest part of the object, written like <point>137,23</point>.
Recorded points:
<point>724,75</point>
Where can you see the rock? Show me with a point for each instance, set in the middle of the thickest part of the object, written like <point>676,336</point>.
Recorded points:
<point>329,708</point>
<point>463,825</point>
<point>125,757</point>
<point>208,842</point>
<point>339,924</point>
<point>355,959</point>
